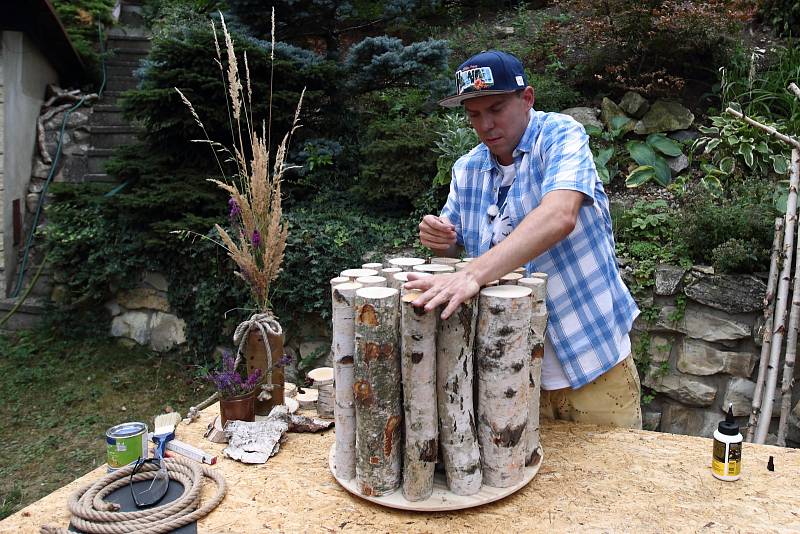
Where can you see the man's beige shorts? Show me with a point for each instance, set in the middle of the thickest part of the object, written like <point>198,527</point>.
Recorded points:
<point>612,399</point>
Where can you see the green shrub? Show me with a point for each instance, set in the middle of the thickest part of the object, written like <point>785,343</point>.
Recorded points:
<point>551,93</point>
<point>80,19</point>
<point>456,138</point>
<point>714,229</point>
<point>782,15</point>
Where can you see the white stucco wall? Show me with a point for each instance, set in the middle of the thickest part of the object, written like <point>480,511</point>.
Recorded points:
<point>23,81</point>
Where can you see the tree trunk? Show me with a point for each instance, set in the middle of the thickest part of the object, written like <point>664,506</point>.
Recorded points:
<point>766,336</point>
<point>454,385</point>
<point>791,339</point>
<point>537,333</point>
<point>343,322</point>
<point>780,305</point>
<point>372,281</point>
<point>418,365</point>
<point>323,381</point>
<point>504,356</point>
<point>377,391</point>
<point>256,358</point>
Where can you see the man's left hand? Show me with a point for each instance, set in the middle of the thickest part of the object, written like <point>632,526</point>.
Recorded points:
<point>453,289</point>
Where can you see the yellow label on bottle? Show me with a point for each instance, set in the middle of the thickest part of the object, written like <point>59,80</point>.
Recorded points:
<point>733,459</point>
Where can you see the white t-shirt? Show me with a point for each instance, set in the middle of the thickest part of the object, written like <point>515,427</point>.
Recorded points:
<point>501,224</point>
<point>553,376</point>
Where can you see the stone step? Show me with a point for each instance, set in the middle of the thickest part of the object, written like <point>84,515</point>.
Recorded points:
<point>121,83</point>
<point>128,42</point>
<point>97,158</point>
<point>28,315</point>
<point>112,136</point>
<point>126,55</point>
<point>99,178</point>
<point>131,15</point>
<point>121,70</point>
<point>105,115</point>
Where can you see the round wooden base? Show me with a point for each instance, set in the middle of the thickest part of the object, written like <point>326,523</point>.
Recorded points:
<point>442,499</point>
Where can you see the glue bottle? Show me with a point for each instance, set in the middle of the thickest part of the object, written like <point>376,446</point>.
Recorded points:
<point>726,463</point>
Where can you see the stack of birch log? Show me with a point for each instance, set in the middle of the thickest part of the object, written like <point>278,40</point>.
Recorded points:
<point>411,388</point>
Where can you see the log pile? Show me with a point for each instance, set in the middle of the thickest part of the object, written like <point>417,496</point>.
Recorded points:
<point>412,389</point>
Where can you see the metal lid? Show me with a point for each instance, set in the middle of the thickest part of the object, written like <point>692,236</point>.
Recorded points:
<point>126,430</point>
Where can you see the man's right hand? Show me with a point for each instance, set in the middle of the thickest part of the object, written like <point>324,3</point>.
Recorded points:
<point>437,233</point>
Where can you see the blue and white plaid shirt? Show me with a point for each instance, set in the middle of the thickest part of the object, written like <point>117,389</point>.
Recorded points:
<point>590,308</point>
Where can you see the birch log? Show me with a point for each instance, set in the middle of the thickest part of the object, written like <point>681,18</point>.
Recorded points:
<point>454,384</point>
<point>370,281</point>
<point>445,261</point>
<point>401,278</point>
<point>536,339</point>
<point>405,263</point>
<point>460,265</point>
<point>434,268</point>
<point>352,274</point>
<point>375,266</point>
<point>418,365</point>
<point>780,304</point>
<point>510,279</point>
<point>377,391</point>
<point>323,378</point>
<point>343,352</point>
<point>791,338</point>
<point>766,336</point>
<point>503,362</point>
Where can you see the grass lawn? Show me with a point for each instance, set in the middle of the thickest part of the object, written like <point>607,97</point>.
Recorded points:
<point>60,396</point>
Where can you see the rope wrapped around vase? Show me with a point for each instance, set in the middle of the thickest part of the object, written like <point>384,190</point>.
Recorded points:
<point>266,324</point>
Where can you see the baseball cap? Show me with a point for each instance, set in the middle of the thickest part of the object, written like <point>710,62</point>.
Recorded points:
<point>489,73</point>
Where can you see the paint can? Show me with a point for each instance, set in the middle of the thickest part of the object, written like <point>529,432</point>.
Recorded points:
<point>125,444</point>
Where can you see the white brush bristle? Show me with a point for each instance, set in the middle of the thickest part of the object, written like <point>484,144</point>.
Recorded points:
<point>165,423</point>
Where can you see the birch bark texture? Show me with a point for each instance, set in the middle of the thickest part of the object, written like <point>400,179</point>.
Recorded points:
<point>377,391</point>
<point>503,362</point>
<point>343,298</point>
<point>537,333</point>
<point>418,366</point>
<point>455,374</point>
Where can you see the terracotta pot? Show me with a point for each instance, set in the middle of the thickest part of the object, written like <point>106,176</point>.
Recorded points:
<point>241,408</point>
<point>256,357</point>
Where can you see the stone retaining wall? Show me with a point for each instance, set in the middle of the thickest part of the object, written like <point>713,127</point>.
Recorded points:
<point>697,345</point>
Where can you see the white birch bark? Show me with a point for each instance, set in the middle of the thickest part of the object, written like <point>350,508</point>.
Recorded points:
<point>766,336</point>
<point>503,362</point>
<point>455,375</point>
<point>377,391</point>
<point>536,340</point>
<point>323,378</point>
<point>780,305</point>
<point>418,364</point>
<point>343,353</point>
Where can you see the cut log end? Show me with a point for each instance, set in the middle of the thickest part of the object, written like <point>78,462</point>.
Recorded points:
<point>506,291</point>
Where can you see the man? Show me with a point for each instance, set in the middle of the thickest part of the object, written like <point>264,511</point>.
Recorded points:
<point>529,195</point>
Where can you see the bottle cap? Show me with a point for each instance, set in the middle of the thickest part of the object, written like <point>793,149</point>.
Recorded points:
<point>729,426</point>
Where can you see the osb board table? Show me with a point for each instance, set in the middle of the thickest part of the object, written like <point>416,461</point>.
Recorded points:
<point>592,479</point>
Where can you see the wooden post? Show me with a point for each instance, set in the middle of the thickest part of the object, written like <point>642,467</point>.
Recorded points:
<point>503,354</point>
<point>454,383</point>
<point>766,336</point>
<point>418,364</point>
<point>343,299</point>
<point>780,305</point>
<point>377,391</point>
<point>537,333</point>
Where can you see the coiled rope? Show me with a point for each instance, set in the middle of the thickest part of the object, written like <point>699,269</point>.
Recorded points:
<point>93,515</point>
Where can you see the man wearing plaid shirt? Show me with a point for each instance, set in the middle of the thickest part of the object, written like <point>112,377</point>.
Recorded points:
<point>529,195</point>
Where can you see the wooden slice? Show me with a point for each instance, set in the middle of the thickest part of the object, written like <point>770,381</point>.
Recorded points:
<point>520,270</point>
<point>442,499</point>
<point>307,398</point>
<point>445,261</point>
<point>509,292</point>
<point>375,266</point>
<point>367,281</point>
<point>405,262</point>
<point>434,268</point>
<point>352,274</point>
<point>376,292</point>
<point>321,376</point>
<point>390,271</point>
<point>510,279</point>
<point>537,285</point>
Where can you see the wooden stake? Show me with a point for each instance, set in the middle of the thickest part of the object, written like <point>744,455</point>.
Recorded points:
<point>377,391</point>
<point>454,384</point>
<point>352,274</point>
<point>780,305</point>
<point>766,336</point>
<point>791,339</point>
<point>371,281</point>
<point>343,353</point>
<point>537,334</point>
<point>418,365</point>
<point>503,354</point>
